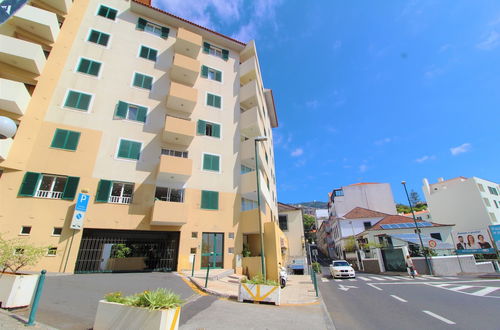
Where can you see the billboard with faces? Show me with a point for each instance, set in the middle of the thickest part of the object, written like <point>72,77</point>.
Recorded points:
<point>473,241</point>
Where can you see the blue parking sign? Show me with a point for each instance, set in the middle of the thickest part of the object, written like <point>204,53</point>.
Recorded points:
<point>82,202</point>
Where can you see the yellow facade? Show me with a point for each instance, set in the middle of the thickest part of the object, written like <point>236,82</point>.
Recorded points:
<point>143,194</point>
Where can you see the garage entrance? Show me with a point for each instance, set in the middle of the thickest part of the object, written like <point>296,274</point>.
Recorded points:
<point>103,250</point>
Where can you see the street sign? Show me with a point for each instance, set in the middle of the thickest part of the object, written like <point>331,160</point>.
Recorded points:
<point>432,243</point>
<point>9,8</point>
<point>80,208</point>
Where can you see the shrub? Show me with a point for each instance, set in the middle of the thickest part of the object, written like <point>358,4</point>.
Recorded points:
<point>16,254</point>
<point>152,300</point>
<point>316,267</point>
<point>259,279</point>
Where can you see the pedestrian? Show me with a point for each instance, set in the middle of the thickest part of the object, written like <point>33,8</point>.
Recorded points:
<point>411,268</point>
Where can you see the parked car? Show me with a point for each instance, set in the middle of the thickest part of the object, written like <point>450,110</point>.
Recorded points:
<point>342,269</point>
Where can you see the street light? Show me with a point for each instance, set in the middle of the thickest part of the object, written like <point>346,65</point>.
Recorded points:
<point>418,230</point>
<point>262,260</point>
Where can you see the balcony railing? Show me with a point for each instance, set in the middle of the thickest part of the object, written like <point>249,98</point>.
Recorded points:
<point>120,199</point>
<point>49,194</point>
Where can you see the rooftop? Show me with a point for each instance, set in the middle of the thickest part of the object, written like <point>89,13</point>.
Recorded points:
<point>361,213</point>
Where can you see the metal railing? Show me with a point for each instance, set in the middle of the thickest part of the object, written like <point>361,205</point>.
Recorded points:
<point>49,194</point>
<point>120,199</point>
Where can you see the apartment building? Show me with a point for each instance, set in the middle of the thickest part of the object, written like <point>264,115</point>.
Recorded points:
<point>469,203</point>
<point>292,224</point>
<point>155,118</point>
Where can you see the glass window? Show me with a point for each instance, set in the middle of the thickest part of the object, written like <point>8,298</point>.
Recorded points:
<point>248,204</point>
<point>51,186</point>
<point>78,100</point>
<point>89,67</point>
<point>148,53</point>
<point>153,29</point>
<point>246,169</point>
<point>25,230</point>
<point>129,149</point>
<point>283,222</point>
<point>107,12</point>
<point>143,81</point>
<point>175,153</point>
<point>493,191</point>
<point>121,193</point>
<point>56,231</point>
<point>167,194</point>
<point>98,37</point>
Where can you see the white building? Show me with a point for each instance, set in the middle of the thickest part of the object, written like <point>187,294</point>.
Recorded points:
<point>291,223</point>
<point>469,203</point>
<point>419,215</point>
<point>372,196</point>
<point>321,216</point>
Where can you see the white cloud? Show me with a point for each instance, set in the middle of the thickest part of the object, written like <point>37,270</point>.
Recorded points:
<point>297,152</point>
<point>363,168</point>
<point>466,147</point>
<point>425,158</point>
<point>337,44</point>
<point>492,40</point>
<point>382,141</point>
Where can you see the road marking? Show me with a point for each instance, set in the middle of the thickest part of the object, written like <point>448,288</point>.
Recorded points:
<point>397,298</point>
<point>440,285</point>
<point>462,287</point>
<point>364,278</point>
<point>390,278</point>
<point>352,279</point>
<point>420,278</point>
<point>485,291</point>
<point>376,278</point>
<point>374,286</point>
<point>404,278</point>
<point>346,287</point>
<point>324,279</point>
<point>445,320</point>
<point>337,280</point>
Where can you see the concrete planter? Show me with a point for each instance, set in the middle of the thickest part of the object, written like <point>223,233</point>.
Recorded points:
<point>259,292</point>
<point>117,316</point>
<point>16,290</point>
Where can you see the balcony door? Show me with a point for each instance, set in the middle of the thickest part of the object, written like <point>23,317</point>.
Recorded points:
<point>212,250</point>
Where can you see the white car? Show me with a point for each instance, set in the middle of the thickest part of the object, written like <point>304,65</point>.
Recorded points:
<point>342,269</point>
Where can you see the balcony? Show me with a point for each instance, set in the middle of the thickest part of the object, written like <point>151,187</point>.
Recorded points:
<point>169,214</point>
<point>20,60</point>
<point>14,96</point>
<point>248,95</point>
<point>174,169</point>
<point>181,98</point>
<point>5,145</point>
<point>249,221</point>
<point>178,131</point>
<point>247,154</point>
<point>248,185</point>
<point>59,7</point>
<point>251,125</point>
<point>187,43</point>
<point>37,22</point>
<point>248,70</point>
<point>185,70</point>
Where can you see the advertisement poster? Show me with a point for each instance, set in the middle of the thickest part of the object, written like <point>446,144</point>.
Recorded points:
<point>473,241</point>
<point>495,233</point>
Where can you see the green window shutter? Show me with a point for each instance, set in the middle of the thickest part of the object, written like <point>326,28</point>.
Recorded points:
<point>83,102</point>
<point>141,114</point>
<point>202,127</point>
<point>206,47</point>
<point>121,110</point>
<point>135,150</point>
<point>148,82</point>
<point>207,162</point>
<point>209,200</point>
<point>205,199</point>
<point>217,101</point>
<point>215,163</point>
<point>112,14</point>
<point>124,148</point>
<point>210,99</point>
<point>103,11</point>
<point>215,200</point>
<point>103,191</point>
<point>152,54</point>
<point>141,24</point>
<point>216,130</point>
<point>72,99</point>
<point>94,36</point>
<point>69,192</point>
<point>59,139</point>
<point>138,78</point>
<point>84,65</point>
<point>144,52</point>
<point>30,181</point>
<point>225,54</point>
<point>164,32</point>
<point>72,140</point>
<point>103,39</point>
<point>204,71</point>
<point>218,76</point>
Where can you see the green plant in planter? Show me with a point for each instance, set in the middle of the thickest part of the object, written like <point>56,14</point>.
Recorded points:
<point>120,251</point>
<point>17,253</point>
<point>316,267</point>
<point>259,279</point>
<point>152,300</point>
<point>246,251</point>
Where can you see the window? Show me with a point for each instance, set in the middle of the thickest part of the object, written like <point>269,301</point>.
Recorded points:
<point>214,100</point>
<point>487,202</point>
<point>230,250</point>
<point>211,74</point>
<point>129,149</point>
<point>114,192</point>
<point>209,200</point>
<point>192,250</point>
<point>245,169</point>
<point>211,162</point>
<point>107,12</point>
<point>98,37</point>
<point>230,235</point>
<point>194,234</point>
<point>51,251</point>
<point>496,204</point>
<point>248,204</point>
<point>208,129</point>
<point>216,51</point>
<point>64,139</point>
<point>78,100</point>
<point>89,67</point>
<point>169,194</point>
<point>283,222</point>
<point>49,186</point>
<point>148,53</point>
<point>25,230</point>
<point>143,81</point>
<point>367,225</point>
<point>174,153</point>
<point>493,191</point>
<point>436,236</point>
<point>152,28</point>
<point>57,231</point>
<point>493,217</point>
<point>132,112</point>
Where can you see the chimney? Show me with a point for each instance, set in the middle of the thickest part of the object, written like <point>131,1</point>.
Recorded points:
<point>440,179</point>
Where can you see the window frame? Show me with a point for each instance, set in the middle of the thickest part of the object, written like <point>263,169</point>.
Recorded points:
<point>211,123</point>
<point>213,106</point>
<point>49,249</point>
<point>493,191</point>
<point>106,17</point>
<point>155,26</point>
<point>218,201</point>
<point>121,197</point>
<point>96,43</point>
<point>66,140</point>
<point>91,102</point>
<point>51,191</point>
<point>203,162</point>
<point>147,58</point>
<point>144,75</point>
<point>101,65</point>
<point>169,194</point>
<point>56,235</point>
<point>128,159</point>
<point>171,153</point>
<point>279,222</point>
<point>25,234</point>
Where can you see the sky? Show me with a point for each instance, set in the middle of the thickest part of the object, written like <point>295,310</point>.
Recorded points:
<point>371,91</point>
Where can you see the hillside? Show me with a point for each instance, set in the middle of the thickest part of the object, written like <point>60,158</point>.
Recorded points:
<point>315,204</point>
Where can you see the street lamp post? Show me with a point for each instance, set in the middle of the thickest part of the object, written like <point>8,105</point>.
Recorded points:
<point>262,258</point>
<point>418,230</point>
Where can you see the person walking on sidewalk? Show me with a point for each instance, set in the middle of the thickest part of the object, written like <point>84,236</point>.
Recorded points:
<point>411,267</point>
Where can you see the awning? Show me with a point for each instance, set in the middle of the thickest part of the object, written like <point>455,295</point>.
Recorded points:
<point>296,266</point>
<point>427,240</point>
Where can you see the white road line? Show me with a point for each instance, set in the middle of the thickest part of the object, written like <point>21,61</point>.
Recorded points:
<point>404,278</point>
<point>364,278</point>
<point>376,278</point>
<point>397,298</point>
<point>374,286</point>
<point>324,279</point>
<point>337,280</point>
<point>445,320</point>
<point>485,291</point>
<point>440,285</point>
<point>462,287</point>
<point>420,278</point>
<point>390,278</point>
<point>352,279</point>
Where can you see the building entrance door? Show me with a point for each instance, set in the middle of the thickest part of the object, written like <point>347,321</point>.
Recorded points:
<point>212,250</point>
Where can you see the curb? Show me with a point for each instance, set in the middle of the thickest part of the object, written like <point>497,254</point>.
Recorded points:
<point>212,292</point>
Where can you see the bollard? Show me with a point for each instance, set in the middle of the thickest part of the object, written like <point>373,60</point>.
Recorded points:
<point>194,260</point>
<point>36,299</point>
<point>208,269</point>
<point>315,282</point>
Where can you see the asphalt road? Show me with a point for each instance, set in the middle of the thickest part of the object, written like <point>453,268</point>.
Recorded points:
<point>397,302</point>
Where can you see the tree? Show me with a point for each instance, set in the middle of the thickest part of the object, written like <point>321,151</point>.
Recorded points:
<point>309,227</point>
<point>414,198</point>
<point>16,254</point>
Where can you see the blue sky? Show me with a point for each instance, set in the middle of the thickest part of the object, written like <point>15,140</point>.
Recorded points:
<point>372,91</point>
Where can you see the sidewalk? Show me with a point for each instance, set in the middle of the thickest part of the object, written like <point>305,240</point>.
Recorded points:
<point>299,288</point>
<point>15,322</point>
